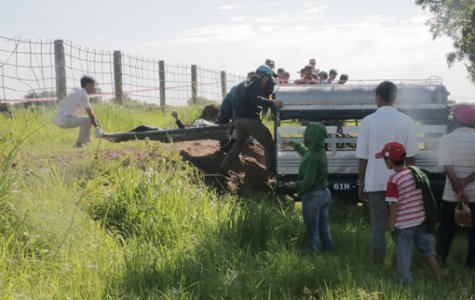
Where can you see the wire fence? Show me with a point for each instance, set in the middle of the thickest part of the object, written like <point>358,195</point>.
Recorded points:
<point>81,61</point>
<point>26,69</point>
<point>48,70</point>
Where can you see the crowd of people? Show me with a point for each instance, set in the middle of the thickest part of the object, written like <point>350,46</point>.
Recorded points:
<point>386,147</point>
<point>390,183</point>
<point>309,74</point>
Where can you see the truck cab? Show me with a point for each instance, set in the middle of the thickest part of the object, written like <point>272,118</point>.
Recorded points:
<point>341,108</point>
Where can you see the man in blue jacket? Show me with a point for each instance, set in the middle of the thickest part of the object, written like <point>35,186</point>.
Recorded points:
<point>250,96</point>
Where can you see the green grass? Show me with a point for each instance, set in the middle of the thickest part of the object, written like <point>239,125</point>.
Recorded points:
<point>85,224</point>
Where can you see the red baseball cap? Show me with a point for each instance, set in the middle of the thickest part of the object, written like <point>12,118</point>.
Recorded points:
<point>392,150</point>
<point>465,113</point>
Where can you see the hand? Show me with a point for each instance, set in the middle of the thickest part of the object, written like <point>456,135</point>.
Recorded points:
<point>278,104</point>
<point>286,143</point>
<point>95,122</point>
<point>175,114</point>
<point>462,196</point>
<point>463,182</point>
<point>362,195</point>
<point>392,228</point>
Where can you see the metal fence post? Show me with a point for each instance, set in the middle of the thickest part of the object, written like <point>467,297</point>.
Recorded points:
<point>224,88</point>
<point>60,69</point>
<point>194,84</point>
<point>118,76</point>
<point>161,75</point>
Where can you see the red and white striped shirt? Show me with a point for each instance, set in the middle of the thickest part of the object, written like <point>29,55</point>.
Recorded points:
<point>402,189</point>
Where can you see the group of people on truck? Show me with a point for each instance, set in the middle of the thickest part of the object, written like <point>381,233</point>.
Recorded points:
<point>309,74</point>
<point>390,182</point>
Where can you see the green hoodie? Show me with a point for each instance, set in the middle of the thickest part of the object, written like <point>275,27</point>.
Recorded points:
<point>313,170</point>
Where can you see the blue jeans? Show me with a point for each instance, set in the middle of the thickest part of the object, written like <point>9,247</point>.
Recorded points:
<point>315,208</point>
<point>404,238</point>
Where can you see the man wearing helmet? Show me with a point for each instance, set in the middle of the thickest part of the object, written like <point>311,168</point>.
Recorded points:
<point>250,95</point>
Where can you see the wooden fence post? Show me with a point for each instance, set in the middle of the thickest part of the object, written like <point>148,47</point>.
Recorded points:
<point>60,69</point>
<point>161,75</point>
<point>118,76</point>
<point>194,84</point>
<point>224,88</point>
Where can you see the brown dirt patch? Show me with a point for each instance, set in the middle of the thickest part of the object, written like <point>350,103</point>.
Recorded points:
<point>247,174</point>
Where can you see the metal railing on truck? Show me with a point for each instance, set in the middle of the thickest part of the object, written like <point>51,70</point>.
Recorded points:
<point>342,162</point>
<point>342,108</point>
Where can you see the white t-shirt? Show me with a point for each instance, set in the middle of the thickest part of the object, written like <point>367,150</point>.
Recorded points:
<point>458,150</point>
<point>203,123</point>
<point>72,105</point>
<point>385,125</point>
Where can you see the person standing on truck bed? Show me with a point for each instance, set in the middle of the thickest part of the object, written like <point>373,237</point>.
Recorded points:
<point>457,156</point>
<point>385,125</point>
<point>251,94</point>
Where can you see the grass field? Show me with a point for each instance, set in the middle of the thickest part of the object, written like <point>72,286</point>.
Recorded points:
<point>97,222</point>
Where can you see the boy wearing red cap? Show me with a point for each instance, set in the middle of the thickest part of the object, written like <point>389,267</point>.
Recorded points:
<point>407,214</point>
<point>457,156</point>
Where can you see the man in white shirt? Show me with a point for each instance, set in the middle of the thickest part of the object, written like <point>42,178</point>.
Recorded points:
<point>457,156</point>
<point>71,108</point>
<point>385,125</point>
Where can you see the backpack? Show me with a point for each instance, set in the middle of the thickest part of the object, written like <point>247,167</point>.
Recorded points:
<point>431,207</point>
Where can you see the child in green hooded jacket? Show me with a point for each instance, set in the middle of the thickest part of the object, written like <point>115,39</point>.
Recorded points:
<point>312,184</point>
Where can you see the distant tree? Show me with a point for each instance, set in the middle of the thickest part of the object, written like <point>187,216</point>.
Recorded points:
<point>42,94</point>
<point>455,19</point>
<point>200,101</point>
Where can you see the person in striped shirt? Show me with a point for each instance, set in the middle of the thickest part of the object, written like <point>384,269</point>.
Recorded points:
<point>406,214</point>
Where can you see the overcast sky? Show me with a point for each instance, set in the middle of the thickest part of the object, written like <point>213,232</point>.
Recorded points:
<point>371,39</point>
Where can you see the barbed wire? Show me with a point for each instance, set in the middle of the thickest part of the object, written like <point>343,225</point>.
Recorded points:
<point>27,73</point>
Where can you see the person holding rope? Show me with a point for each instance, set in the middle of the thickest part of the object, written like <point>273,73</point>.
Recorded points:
<point>70,112</point>
<point>251,94</point>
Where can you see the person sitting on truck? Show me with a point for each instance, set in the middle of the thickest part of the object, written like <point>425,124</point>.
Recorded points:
<point>323,77</point>
<point>283,78</point>
<point>332,75</point>
<point>386,124</point>
<point>343,79</point>
<point>307,79</point>
<point>313,64</point>
<point>312,185</point>
<point>251,94</point>
<point>271,64</point>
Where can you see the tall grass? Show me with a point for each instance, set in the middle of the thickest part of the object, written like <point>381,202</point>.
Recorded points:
<point>84,224</point>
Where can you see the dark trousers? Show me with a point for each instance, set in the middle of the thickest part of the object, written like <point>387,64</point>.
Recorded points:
<point>446,232</point>
<point>251,127</point>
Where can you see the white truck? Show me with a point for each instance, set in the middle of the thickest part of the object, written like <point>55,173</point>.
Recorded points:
<point>341,108</point>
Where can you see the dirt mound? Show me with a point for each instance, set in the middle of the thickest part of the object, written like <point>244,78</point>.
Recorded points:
<point>247,174</point>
